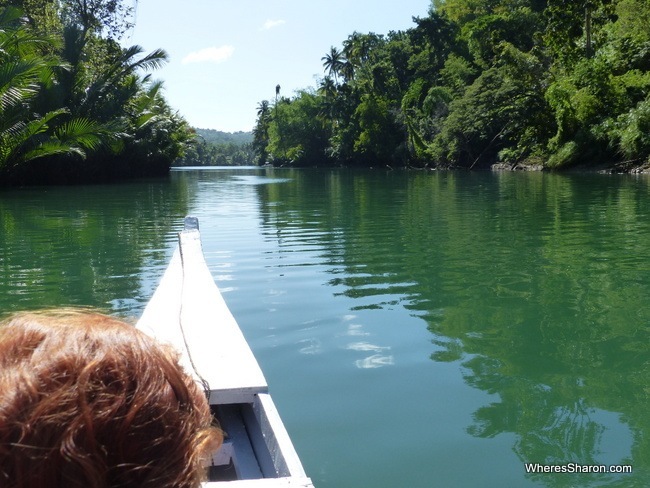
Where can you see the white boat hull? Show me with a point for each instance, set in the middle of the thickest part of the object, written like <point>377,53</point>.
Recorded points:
<point>188,312</point>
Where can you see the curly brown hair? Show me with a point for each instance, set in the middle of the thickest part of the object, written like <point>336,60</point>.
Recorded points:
<point>87,400</point>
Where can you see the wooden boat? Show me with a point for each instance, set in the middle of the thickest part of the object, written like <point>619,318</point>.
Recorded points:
<point>188,311</point>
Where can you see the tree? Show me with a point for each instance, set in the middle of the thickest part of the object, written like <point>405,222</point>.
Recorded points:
<point>261,131</point>
<point>24,68</point>
<point>502,110</point>
<point>433,39</point>
<point>109,17</point>
<point>155,135</point>
<point>476,82</point>
<point>74,106</point>
<point>379,136</point>
<point>574,29</point>
<point>333,62</point>
<point>41,15</point>
<point>356,51</point>
<point>633,18</point>
<point>302,137</point>
<point>328,91</point>
<point>115,84</point>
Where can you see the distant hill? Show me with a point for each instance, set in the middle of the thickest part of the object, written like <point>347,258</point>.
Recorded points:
<point>216,148</point>
<point>217,137</point>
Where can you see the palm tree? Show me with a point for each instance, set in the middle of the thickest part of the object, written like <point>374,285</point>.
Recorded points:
<point>333,63</point>
<point>24,70</point>
<point>89,95</point>
<point>264,111</point>
<point>261,131</point>
<point>356,51</point>
<point>118,82</point>
<point>155,132</point>
<point>328,90</point>
<point>277,120</point>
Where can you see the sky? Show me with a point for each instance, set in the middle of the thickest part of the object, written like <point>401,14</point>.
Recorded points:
<point>226,56</point>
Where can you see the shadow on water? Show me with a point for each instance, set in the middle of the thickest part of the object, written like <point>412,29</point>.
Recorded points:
<point>535,285</point>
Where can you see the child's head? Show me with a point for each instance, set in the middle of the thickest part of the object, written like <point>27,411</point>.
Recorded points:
<point>88,400</point>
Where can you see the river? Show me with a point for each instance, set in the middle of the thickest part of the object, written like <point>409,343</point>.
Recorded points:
<point>417,329</point>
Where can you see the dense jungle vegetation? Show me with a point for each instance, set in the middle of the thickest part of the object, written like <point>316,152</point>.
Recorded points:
<point>552,83</point>
<point>74,104</point>
<point>217,148</point>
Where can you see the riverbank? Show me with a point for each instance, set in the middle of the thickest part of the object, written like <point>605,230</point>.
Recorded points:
<point>623,167</point>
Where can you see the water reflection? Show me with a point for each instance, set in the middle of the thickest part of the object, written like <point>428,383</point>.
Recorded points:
<point>259,180</point>
<point>487,319</point>
<point>434,326</point>
<point>534,284</point>
<point>101,246</point>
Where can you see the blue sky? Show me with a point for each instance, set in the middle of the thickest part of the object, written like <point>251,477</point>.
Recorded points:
<point>228,55</point>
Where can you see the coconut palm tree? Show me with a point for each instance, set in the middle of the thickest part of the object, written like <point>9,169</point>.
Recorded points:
<point>264,113</point>
<point>356,51</point>
<point>328,90</point>
<point>333,63</point>
<point>261,131</point>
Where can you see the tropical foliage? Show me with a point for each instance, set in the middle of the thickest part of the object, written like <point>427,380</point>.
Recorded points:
<point>74,104</point>
<point>544,82</point>
<point>216,148</point>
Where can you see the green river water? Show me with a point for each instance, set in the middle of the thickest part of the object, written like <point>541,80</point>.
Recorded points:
<point>417,329</point>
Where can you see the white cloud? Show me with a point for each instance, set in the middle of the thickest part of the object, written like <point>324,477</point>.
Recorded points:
<point>209,55</point>
<point>270,24</point>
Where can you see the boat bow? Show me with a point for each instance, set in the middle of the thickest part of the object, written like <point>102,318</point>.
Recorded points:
<point>188,311</point>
